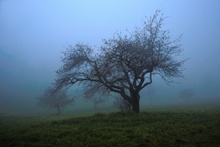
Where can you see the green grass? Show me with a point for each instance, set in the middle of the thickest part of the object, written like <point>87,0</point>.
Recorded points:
<point>155,128</point>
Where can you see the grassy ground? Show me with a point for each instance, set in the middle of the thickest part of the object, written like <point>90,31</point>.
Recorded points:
<point>153,128</point>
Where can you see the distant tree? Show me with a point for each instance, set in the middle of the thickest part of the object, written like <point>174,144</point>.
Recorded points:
<point>150,92</point>
<point>125,64</point>
<point>96,101</point>
<point>186,94</point>
<point>122,104</point>
<point>57,100</point>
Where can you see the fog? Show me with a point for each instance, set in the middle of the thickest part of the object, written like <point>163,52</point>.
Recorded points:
<point>33,35</point>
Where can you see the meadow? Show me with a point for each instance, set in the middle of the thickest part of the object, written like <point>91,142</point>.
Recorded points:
<point>155,128</point>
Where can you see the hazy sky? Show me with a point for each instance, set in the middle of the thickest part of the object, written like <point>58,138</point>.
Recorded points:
<point>34,33</point>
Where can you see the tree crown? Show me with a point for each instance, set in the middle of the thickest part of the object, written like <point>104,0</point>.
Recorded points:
<point>124,64</point>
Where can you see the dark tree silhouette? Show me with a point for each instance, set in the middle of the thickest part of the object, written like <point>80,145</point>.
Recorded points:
<point>186,94</point>
<point>124,64</point>
<point>56,100</point>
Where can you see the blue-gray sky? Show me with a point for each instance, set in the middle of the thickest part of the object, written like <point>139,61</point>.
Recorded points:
<point>34,33</point>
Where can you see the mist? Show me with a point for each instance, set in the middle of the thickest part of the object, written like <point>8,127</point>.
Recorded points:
<point>33,35</point>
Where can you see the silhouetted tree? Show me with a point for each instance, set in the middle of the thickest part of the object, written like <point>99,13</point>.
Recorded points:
<point>186,94</point>
<point>124,64</point>
<point>56,100</point>
<point>122,104</point>
<point>96,101</point>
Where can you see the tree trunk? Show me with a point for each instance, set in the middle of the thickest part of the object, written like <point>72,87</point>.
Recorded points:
<point>135,103</point>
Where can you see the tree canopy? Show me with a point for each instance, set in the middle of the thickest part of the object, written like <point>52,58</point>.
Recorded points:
<point>56,100</point>
<point>124,64</point>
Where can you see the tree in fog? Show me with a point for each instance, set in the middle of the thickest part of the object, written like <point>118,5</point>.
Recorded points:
<point>96,101</point>
<point>122,104</point>
<point>124,64</point>
<point>57,100</point>
<point>150,93</point>
<point>186,94</point>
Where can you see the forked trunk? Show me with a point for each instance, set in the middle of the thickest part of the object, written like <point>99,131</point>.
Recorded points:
<point>135,103</point>
<point>58,110</point>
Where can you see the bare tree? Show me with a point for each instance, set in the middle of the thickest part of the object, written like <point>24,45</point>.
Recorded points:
<point>122,104</point>
<point>56,100</point>
<point>96,101</point>
<point>124,64</point>
<point>186,94</point>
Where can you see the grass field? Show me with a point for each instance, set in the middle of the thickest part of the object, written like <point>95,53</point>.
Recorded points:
<point>184,128</point>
